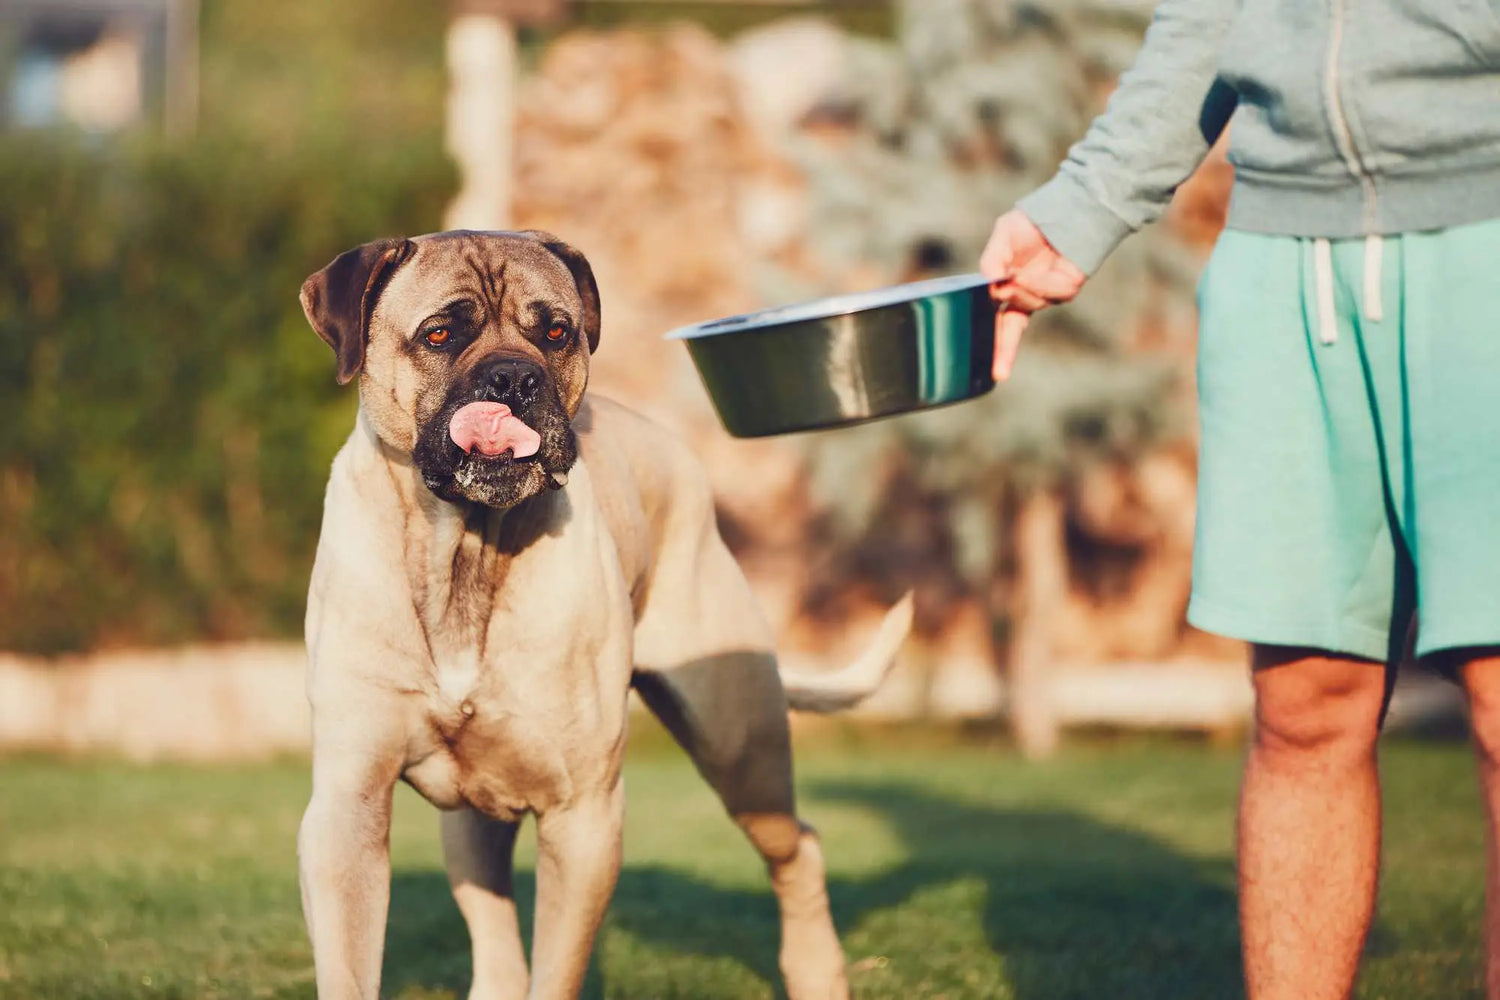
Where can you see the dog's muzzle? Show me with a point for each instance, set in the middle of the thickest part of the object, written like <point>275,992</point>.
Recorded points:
<point>501,437</point>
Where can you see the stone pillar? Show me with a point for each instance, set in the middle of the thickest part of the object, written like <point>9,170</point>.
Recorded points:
<point>1042,579</point>
<point>481,54</point>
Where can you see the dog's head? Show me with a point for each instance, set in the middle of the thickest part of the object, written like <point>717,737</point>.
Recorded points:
<point>472,351</point>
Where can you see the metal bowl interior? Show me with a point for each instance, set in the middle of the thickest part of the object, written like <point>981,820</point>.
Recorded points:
<point>841,361</point>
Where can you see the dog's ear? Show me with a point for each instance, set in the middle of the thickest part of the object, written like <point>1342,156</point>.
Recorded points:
<point>338,300</point>
<point>583,277</point>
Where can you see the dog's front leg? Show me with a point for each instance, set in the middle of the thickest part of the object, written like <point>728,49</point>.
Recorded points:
<point>344,853</point>
<point>578,862</point>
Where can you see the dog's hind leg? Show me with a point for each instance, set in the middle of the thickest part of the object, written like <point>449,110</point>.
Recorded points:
<point>706,666</point>
<point>730,714</point>
<point>478,851</point>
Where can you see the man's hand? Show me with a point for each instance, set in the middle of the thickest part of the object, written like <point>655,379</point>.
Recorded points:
<point>1026,274</point>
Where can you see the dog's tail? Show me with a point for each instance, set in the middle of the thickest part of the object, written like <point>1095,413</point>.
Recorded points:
<point>836,690</point>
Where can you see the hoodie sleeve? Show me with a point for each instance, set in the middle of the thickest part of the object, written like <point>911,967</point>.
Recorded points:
<point>1167,111</point>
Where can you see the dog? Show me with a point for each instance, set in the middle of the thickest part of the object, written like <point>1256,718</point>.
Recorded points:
<point>502,559</point>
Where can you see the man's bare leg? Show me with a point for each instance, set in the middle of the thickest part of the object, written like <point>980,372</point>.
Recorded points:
<point>1309,828</point>
<point>1479,670</point>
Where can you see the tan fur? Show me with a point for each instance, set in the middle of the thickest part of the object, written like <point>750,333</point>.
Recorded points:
<point>485,655</point>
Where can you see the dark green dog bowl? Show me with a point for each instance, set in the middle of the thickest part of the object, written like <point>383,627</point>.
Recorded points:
<point>843,360</point>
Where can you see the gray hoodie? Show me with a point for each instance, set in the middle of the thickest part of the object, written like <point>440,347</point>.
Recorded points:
<point>1350,118</point>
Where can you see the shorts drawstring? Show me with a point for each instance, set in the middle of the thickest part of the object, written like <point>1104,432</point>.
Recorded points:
<point>1373,307</point>
<point>1374,254</point>
<point>1328,317</point>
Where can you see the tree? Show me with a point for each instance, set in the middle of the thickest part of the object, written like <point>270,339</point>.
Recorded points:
<point>924,142</point>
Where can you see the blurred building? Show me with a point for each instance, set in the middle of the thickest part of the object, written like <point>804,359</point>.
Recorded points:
<point>98,65</point>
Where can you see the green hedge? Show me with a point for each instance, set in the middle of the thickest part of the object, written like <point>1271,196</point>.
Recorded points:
<point>166,415</point>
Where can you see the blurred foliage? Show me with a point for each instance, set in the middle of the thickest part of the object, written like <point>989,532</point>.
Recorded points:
<point>166,415</point>
<point>283,75</point>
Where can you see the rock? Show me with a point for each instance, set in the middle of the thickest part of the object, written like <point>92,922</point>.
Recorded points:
<point>782,71</point>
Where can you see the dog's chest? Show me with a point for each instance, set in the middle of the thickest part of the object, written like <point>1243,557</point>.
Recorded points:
<point>478,753</point>
<point>508,708</point>
<point>523,726</point>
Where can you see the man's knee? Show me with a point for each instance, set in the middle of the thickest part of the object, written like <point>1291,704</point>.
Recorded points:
<point>1479,672</point>
<point>1313,704</point>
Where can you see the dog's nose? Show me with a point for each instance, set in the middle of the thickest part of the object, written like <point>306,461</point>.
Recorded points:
<point>515,382</point>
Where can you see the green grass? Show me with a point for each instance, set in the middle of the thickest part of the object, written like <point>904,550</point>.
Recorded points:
<point>957,871</point>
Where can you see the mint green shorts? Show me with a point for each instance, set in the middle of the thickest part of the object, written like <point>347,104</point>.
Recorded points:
<point>1349,471</point>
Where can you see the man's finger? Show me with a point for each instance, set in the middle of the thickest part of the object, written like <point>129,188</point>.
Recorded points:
<point>1011,240</point>
<point>1055,279</point>
<point>1016,296</point>
<point>1010,324</point>
<point>995,262</point>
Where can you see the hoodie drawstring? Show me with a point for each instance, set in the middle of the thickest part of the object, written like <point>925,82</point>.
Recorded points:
<point>1373,307</point>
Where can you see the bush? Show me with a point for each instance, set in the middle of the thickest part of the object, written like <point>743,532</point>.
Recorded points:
<point>166,415</point>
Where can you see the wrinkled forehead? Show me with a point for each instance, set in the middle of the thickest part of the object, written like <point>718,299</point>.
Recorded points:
<point>506,275</point>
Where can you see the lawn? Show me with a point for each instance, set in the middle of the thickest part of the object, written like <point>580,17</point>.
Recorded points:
<point>957,871</point>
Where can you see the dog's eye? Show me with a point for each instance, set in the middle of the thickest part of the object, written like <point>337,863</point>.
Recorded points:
<point>557,333</point>
<point>437,338</point>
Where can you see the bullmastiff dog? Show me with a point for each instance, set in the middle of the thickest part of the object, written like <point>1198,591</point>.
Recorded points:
<point>502,560</point>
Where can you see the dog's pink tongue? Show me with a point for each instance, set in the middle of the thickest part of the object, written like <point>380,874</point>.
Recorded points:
<point>492,428</point>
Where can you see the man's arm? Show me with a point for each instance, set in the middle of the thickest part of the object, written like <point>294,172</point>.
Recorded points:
<point>1159,124</point>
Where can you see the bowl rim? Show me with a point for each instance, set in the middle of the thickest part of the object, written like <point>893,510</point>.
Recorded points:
<point>839,423</point>
<point>829,307</point>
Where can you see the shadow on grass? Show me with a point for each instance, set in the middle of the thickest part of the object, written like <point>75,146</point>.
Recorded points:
<point>1075,908</point>
<point>427,943</point>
